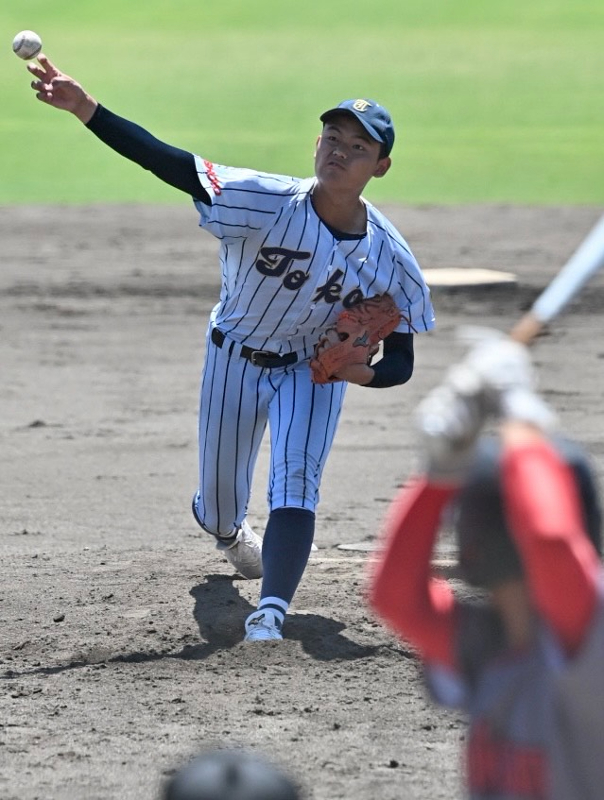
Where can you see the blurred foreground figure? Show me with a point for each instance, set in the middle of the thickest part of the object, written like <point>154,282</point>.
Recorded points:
<point>230,775</point>
<point>526,663</point>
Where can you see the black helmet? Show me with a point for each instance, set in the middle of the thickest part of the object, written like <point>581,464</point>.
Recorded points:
<point>487,554</point>
<point>230,775</point>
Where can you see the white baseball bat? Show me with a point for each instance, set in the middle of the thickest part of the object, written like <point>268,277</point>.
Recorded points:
<point>584,262</point>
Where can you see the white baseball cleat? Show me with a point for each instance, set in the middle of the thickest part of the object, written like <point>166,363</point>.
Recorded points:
<point>262,626</point>
<point>244,552</point>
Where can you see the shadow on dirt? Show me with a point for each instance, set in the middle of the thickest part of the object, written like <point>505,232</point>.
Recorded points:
<point>219,612</point>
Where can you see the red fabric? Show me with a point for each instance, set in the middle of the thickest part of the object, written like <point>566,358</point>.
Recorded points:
<point>544,514</point>
<point>403,591</point>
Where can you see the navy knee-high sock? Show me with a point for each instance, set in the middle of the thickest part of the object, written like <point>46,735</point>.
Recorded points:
<point>285,550</point>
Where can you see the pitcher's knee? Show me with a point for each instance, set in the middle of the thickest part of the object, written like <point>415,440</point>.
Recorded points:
<point>208,524</point>
<point>197,515</point>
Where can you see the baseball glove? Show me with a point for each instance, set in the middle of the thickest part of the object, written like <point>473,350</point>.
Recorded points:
<point>355,337</point>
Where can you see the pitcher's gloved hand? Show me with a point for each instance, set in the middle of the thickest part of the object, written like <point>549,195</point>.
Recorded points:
<point>355,337</point>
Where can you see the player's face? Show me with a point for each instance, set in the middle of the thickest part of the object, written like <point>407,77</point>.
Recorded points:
<point>347,155</point>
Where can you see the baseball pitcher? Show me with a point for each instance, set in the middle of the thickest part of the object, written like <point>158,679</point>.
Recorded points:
<point>314,278</point>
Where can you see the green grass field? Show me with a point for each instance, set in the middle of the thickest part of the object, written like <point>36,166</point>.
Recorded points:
<point>492,102</point>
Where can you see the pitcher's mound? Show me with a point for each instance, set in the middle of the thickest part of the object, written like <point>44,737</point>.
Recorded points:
<point>454,277</point>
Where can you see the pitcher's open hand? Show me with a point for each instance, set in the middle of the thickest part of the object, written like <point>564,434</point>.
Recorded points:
<point>56,89</point>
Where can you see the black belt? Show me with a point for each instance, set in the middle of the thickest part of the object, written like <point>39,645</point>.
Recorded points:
<point>259,358</point>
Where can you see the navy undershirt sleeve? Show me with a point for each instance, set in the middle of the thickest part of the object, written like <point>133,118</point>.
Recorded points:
<point>170,164</point>
<point>396,365</point>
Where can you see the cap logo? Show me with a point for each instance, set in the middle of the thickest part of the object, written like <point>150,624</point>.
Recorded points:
<point>361,105</point>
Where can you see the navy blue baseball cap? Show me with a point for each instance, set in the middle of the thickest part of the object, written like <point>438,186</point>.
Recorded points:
<point>373,117</point>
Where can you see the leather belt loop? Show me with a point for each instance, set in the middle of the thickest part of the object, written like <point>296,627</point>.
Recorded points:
<point>217,337</point>
<point>259,358</point>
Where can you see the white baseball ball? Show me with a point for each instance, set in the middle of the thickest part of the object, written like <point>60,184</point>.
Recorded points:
<point>27,44</point>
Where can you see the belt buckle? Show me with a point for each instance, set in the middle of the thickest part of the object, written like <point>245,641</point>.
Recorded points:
<point>258,357</point>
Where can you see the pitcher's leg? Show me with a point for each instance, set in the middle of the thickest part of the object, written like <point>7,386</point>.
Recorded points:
<point>286,547</point>
<point>287,544</point>
<point>303,419</point>
<point>232,420</point>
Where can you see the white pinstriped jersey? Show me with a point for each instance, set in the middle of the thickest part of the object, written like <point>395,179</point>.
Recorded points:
<point>285,275</point>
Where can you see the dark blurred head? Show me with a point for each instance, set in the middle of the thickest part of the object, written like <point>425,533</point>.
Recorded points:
<point>230,775</point>
<point>487,554</point>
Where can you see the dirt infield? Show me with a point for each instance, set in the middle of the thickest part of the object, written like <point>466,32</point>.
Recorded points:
<point>120,628</point>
